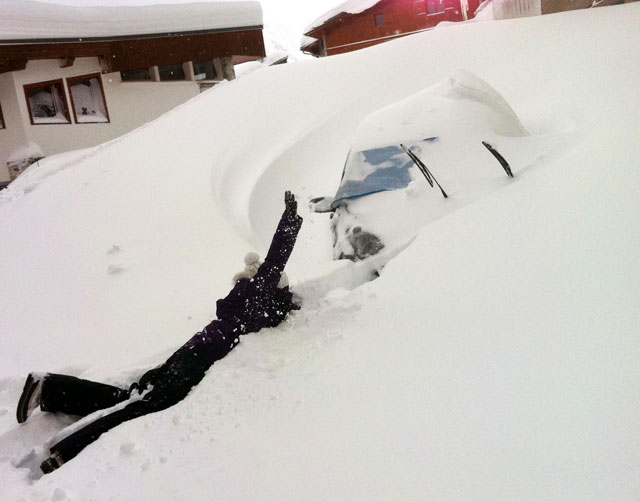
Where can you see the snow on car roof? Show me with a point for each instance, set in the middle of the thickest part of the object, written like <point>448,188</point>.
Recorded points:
<point>348,7</point>
<point>29,20</point>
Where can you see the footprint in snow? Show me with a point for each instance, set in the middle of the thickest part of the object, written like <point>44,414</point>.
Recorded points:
<point>115,270</point>
<point>59,495</point>
<point>114,249</point>
<point>127,448</point>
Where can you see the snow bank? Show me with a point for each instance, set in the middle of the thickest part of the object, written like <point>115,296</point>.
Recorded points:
<point>28,20</point>
<point>462,105</point>
<point>435,124</point>
<point>24,152</point>
<point>494,358</point>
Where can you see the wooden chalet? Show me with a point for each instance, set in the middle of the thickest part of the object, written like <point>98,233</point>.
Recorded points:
<point>357,24</point>
<point>73,77</point>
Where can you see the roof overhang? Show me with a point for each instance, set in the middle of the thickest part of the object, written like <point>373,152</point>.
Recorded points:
<point>311,46</point>
<point>127,53</point>
<point>142,36</point>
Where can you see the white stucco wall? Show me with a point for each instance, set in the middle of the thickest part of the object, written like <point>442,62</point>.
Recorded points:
<point>14,133</point>
<point>130,105</point>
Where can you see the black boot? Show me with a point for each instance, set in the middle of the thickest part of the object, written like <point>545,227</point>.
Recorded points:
<point>51,463</point>
<point>30,398</point>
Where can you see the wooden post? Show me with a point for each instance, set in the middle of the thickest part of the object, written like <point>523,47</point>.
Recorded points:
<point>188,70</point>
<point>217,64</point>
<point>66,62</point>
<point>154,74</point>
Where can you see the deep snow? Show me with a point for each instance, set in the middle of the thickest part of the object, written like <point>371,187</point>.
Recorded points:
<point>32,20</point>
<point>494,359</point>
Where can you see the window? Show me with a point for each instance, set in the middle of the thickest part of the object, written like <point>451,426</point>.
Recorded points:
<point>87,99</point>
<point>435,6</point>
<point>171,72</point>
<point>2,126</point>
<point>139,75</point>
<point>47,103</point>
<point>204,70</point>
<point>378,19</point>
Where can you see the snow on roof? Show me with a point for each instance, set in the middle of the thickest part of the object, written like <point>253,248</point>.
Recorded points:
<point>306,41</point>
<point>348,7</point>
<point>32,20</point>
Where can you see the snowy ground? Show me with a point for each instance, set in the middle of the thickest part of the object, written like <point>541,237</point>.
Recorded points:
<point>494,359</point>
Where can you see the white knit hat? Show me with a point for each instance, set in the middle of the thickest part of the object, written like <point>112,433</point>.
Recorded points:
<point>252,264</point>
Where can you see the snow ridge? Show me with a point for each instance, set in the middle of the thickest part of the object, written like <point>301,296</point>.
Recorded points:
<point>29,20</point>
<point>494,358</point>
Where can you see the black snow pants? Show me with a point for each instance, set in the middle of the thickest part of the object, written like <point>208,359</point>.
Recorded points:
<point>74,396</point>
<point>164,386</point>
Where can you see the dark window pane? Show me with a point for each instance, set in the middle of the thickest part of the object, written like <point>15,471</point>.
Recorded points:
<point>2,126</point>
<point>204,70</point>
<point>135,75</point>
<point>88,101</point>
<point>379,19</point>
<point>48,104</point>
<point>171,72</point>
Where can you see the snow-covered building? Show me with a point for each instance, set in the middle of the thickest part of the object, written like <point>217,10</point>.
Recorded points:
<point>73,77</point>
<point>356,24</point>
<point>509,9</point>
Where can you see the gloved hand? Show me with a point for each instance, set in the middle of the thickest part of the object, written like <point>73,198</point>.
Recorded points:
<point>258,302</point>
<point>291,207</point>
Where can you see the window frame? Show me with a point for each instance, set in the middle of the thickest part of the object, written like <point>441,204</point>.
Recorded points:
<point>379,15</point>
<point>81,78</point>
<point>148,72</point>
<point>178,65</point>
<point>65,100</point>
<point>216,77</point>
<point>3,124</point>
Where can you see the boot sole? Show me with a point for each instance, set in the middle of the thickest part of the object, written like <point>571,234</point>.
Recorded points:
<point>23,404</point>
<point>50,464</point>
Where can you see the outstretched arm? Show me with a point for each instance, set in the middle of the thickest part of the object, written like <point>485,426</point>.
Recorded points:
<point>282,244</point>
<point>256,303</point>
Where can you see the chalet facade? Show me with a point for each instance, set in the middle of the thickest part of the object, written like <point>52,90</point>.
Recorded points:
<point>357,24</point>
<point>74,77</point>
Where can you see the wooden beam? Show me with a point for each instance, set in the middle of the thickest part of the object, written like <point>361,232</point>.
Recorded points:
<point>118,55</point>
<point>13,65</point>
<point>66,62</point>
<point>53,51</point>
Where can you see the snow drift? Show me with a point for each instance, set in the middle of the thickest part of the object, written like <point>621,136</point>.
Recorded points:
<point>462,110</point>
<point>495,358</point>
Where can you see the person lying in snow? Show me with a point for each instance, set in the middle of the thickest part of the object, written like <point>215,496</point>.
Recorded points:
<point>256,301</point>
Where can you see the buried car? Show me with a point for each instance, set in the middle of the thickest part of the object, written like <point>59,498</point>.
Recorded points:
<point>422,157</point>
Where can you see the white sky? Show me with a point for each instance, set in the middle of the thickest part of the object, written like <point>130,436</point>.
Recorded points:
<point>291,16</point>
